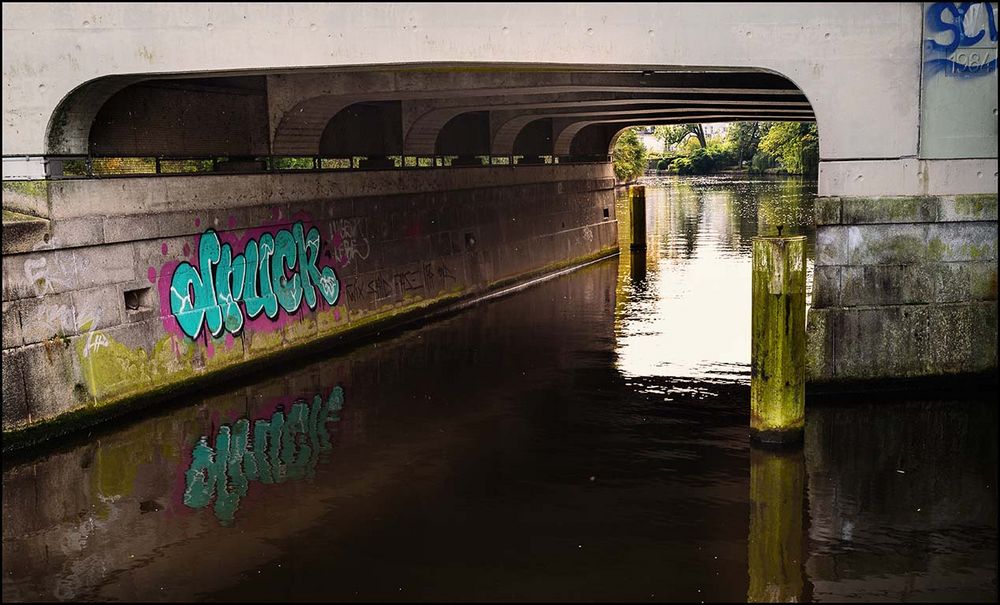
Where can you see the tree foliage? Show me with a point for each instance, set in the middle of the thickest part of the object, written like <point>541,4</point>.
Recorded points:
<point>676,133</point>
<point>629,156</point>
<point>705,160</point>
<point>794,145</point>
<point>745,138</point>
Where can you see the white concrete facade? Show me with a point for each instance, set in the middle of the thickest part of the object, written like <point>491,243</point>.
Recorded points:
<point>859,65</point>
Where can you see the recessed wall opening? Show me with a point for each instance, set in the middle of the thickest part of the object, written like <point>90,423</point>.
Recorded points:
<point>139,299</point>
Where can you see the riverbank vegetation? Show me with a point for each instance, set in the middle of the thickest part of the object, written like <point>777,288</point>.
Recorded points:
<point>754,147</point>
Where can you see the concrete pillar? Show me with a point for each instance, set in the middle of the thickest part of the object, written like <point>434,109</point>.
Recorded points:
<point>777,360</point>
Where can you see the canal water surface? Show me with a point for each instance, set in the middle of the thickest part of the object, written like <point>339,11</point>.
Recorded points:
<point>583,439</point>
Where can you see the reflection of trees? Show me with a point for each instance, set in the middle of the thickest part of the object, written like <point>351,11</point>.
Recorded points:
<point>684,213</point>
<point>680,226</point>
<point>783,202</point>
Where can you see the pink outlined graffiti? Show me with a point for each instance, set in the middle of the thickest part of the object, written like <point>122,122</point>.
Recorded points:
<point>259,279</point>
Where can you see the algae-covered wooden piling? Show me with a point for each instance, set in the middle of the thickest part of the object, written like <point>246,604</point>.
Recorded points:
<point>637,207</point>
<point>777,362</point>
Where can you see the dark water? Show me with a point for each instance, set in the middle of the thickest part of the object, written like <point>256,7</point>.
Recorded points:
<point>585,439</point>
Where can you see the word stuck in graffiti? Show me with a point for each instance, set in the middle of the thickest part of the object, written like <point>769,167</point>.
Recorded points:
<point>223,287</point>
<point>278,449</point>
<point>956,37</point>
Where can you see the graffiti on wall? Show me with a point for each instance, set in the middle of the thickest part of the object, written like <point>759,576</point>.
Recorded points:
<point>224,289</point>
<point>958,37</point>
<point>280,448</point>
<point>350,241</point>
<point>58,315</point>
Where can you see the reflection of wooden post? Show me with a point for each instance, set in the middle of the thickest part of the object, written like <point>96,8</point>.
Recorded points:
<point>637,266</point>
<point>777,481</point>
<point>777,360</point>
<point>637,207</point>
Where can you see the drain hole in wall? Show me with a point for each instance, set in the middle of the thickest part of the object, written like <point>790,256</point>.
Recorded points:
<point>139,300</point>
<point>606,215</point>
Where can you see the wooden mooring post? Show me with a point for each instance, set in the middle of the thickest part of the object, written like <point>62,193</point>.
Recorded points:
<point>637,209</point>
<point>777,359</point>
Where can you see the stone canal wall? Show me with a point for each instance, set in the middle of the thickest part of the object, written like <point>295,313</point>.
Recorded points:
<point>903,287</point>
<point>137,286</point>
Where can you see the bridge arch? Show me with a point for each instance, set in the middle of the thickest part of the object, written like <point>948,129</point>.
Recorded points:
<point>466,134</point>
<point>366,128</point>
<point>68,128</point>
<point>183,117</point>
<point>336,113</point>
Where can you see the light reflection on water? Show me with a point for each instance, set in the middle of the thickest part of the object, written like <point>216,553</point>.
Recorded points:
<point>688,315</point>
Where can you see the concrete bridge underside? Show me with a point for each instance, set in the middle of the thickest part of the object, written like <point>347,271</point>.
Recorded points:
<point>905,281</point>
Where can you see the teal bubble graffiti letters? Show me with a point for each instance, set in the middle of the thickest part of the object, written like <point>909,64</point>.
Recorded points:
<point>274,273</point>
<point>288,291</point>
<point>312,277</point>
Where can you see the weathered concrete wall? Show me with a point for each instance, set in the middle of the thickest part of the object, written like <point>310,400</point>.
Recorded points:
<point>140,284</point>
<point>903,287</point>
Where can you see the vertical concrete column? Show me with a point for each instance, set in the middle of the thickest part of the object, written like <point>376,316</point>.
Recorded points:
<point>637,207</point>
<point>778,346</point>
<point>775,565</point>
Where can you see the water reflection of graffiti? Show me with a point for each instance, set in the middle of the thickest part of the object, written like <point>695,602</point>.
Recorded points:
<point>278,449</point>
<point>224,287</point>
<point>953,27</point>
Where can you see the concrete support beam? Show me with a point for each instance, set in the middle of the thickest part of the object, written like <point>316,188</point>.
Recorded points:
<point>297,128</point>
<point>906,176</point>
<point>505,110</point>
<point>565,130</point>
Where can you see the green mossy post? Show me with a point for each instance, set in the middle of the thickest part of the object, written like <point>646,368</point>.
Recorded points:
<point>777,485</point>
<point>778,350</point>
<point>637,206</point>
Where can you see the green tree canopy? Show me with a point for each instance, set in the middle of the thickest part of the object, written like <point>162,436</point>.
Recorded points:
<point>795,145</point>
<point>745,137</point>
<point>629,156</point>
<point>676,133</point>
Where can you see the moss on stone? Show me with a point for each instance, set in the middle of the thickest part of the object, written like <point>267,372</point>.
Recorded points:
<point>976,205</point>
<point>28,188</point>
<point>9,217</point>
<point>976,252</point>
<point>936,249</point>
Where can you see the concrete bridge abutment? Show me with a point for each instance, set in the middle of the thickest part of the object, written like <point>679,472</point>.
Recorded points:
<point>903,287</point>
<point>113,297</point>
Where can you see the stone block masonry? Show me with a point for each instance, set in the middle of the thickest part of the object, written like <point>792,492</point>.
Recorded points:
<point>903,287</point>
<point>178,278</point>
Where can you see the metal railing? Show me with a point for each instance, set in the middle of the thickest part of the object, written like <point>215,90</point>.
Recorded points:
<point>81,166</point>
